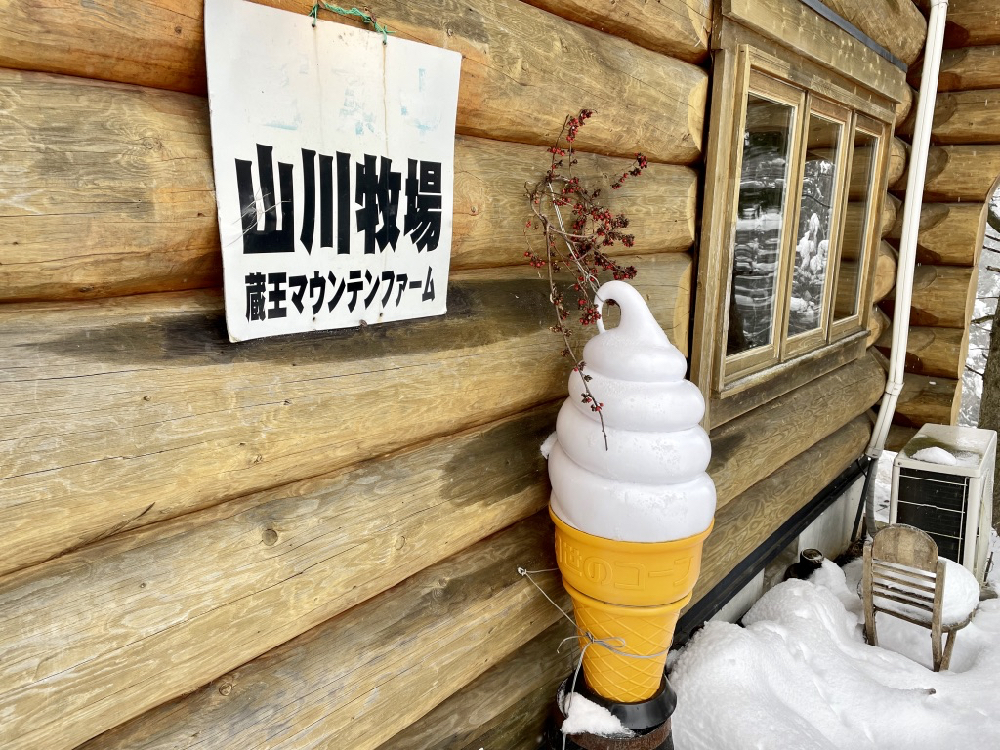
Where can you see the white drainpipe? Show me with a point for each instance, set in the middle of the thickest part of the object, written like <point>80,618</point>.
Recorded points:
<point>908,243</point>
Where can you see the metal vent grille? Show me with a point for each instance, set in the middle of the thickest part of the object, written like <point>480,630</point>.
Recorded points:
<point>938,504</point>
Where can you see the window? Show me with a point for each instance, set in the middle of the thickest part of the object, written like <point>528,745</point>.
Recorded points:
<point>790,231</point>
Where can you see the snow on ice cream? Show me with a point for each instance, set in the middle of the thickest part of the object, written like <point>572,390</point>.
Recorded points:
<point>649,483</point>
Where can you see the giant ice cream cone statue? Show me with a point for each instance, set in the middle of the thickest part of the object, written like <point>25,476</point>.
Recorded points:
<point>631,515</point>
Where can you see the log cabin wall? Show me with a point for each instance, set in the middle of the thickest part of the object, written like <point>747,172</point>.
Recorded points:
<point>962,173</point>
<point>312,541</point>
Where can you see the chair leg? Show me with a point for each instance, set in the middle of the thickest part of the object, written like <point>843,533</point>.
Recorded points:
<point>936,644</point>
<point>871,634</point>
<point>948,648</point>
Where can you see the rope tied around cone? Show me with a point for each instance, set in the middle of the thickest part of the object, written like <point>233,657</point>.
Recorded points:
<point>587,635</point>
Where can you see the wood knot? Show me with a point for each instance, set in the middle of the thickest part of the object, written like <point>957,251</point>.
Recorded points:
<point>225,688</point>
<point>269,537</point>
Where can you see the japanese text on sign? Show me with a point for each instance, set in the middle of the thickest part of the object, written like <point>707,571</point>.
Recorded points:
<point>334,164</point>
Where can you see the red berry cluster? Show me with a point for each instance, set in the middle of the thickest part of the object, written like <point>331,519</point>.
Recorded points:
<point>578,233</point>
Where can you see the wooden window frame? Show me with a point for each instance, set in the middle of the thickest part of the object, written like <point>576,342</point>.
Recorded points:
<point>735,383</point>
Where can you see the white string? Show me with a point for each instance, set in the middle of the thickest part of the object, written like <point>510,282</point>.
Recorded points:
<point>591,641</point>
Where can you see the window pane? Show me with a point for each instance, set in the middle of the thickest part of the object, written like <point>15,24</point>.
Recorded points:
<point>819,187</point>
<point>759,219</point>
<point>859,196</point>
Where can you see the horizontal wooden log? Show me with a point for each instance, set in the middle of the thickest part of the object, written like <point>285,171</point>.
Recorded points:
<point>878,324</point>
<point>505,707</point>
<point>885,273</point>
<point>899,156</point>
<point>899,27</point>
<point>949,233</point>
<point>967,69</point>
<point>892,210</point>
<point>679,28</point>
<point>942,296</point>
<point>516,85</point>
<point>960,173</point>
<point>123,202</point>
<point>800,28</point>
<point>964,118</point>
<point>969,23</point>
<point>930,351</point>
<point>753,446</point>
<point>367,674</point>
<point>122,412</point>
<point>174,597</point>
<point>925,399</point>
<point>905,107</point>
<point>899,435</point>
<point>749,519</point>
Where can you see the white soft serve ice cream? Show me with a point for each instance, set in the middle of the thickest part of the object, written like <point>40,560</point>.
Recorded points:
<point>650,484</point>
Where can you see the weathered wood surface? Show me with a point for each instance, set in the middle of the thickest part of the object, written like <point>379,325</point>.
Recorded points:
<point>942,296</point>
<point>892,210</point>
<point>928,399</point>
<point>123,202</point>
<point>122,412</point>
<point>969,23</point>
<point>964,118</point>
<point>898,26</point>
<point>878,324</point>
<point>797,26</point>
<point>899,157</point>
<point>191,598</point>
<point>751,447</point>
<point>899,435</point>
<point>523,69</point>
<point>930,351</point>
<point>949,233</point>
<point>885,272</point>
<point>503,700</point>
<point>967,69</point>
<point>960,173</point>
<point>365,675</point>
<point>678,28</point>
<point>749,519</point>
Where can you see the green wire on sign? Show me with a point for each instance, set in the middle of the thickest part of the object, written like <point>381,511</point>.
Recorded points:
<point>366,17</point>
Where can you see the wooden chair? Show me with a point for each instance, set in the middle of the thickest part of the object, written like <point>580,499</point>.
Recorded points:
<point>903,577</point>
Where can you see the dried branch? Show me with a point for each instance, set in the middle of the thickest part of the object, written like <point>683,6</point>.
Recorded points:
<point>576,241</point>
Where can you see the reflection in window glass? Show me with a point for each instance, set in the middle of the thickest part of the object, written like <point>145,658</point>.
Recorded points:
<point>859,197</point>
<point>766,142</point>
<point>819,186</point>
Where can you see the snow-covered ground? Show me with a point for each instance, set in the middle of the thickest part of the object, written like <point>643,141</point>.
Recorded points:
<point>799,675</point>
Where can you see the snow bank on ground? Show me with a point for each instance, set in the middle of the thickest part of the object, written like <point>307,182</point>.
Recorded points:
<point>800,676</point>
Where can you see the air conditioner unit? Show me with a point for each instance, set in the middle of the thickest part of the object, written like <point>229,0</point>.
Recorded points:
<point>942,482</point>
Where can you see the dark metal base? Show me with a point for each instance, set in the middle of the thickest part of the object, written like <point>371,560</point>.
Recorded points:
<point>649,719</point>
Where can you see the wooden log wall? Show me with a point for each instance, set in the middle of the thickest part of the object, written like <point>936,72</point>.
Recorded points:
<point>963,169</point>
<point>315,539</point>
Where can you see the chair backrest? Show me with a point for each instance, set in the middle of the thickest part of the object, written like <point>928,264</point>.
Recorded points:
<point>903,575</point>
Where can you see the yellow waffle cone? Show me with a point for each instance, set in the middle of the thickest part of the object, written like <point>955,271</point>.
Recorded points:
<point>634,573</point>
<point>640,631</point>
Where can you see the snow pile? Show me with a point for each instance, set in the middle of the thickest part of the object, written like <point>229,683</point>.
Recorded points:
<point>583,715</point>
<point>935,455</point>
<point>800,675</point>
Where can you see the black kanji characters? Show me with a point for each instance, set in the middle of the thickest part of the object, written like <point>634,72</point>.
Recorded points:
<point>376,190</point>
<point>423,204</point>
<point>270,239</point>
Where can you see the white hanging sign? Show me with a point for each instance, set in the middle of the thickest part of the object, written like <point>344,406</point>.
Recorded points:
<point>334,170</point>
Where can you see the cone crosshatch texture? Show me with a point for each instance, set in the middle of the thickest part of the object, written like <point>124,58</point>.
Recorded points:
<point>635,632</point>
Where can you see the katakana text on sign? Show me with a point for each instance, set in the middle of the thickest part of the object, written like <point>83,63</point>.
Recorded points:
<point>334,167</point>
